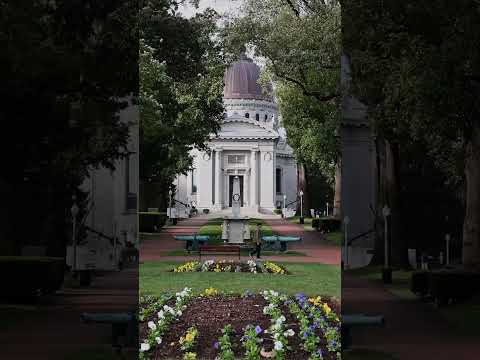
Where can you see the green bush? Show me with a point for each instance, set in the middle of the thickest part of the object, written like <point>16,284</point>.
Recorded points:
<point>148,221</point>
<point>277,211</point>
<point>329,224</point>
<point>445,285</point>
<point>206,211</point>
<point>316,223</point>
<point>28,275</point>
<point>419,283</point>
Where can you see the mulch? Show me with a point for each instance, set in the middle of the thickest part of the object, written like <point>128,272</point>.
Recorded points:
<point>210,314</point>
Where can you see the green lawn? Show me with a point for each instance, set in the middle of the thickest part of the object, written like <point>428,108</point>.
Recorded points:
<point>334,238</point>
<point>307,222</point>
<point>214,228</point>
<point>312,279</point>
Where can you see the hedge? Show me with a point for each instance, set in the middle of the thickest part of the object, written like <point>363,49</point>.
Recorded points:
<point>148,221</point>
<point>29,275</point>
<point>445,285</point>
<point>326,224</point>
<point>277,211</point>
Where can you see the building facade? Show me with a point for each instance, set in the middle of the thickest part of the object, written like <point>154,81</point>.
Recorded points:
<point>251,145</point>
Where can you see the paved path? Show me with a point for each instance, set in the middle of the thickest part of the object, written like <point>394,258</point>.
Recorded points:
<point>155,247</point>
<point>412,330</point>
<point>52,329</point>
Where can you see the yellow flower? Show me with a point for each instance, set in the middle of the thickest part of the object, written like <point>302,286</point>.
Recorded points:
<point>211,291</point>
<point>190,356</point>
<point>316,301</point>
<point>189,337</point>
<point>326,309</point>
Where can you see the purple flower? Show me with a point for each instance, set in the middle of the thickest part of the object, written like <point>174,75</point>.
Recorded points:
<point>216,345</point>
<point>258,329</point>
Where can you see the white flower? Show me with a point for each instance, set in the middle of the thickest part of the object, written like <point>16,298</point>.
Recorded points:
<point>278,345</point>
<point>161,314</point>
<point>158,340</point>
<point>144,347</point>
<point>289,332</point>
<point>276,335</point>
<point>179,313</point>
<point>152,325</point>
<point>276,326</point>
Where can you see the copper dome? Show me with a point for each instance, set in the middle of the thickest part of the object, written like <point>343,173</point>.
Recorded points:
<point>241,81</point>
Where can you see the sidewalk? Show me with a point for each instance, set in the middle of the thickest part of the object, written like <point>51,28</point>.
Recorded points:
<point>412,329</point>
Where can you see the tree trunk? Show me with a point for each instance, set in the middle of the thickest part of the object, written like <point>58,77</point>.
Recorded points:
<point>303,185</point>
<point>471,225</point>
<point>337,202</point>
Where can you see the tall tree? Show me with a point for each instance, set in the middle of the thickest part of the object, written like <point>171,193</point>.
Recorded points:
<point>300,43</point>
<point>418,70</point>
<point>65,68</point>
<point>181,72</point>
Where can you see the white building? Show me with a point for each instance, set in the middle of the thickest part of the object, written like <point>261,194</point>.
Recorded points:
<point>251,144</point>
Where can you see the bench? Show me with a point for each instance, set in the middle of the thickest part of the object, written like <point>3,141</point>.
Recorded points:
<point>192,242</point>
<point>123,324</point>
<point>277,242</point>
<point>224,250</point>
<point>357,320</point>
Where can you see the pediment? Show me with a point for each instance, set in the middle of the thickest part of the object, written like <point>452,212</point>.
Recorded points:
<point>245,129</point>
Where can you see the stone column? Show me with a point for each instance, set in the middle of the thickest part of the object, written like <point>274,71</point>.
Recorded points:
<point>218,179</point>
<point>253,178</point>
<point>204,180</point>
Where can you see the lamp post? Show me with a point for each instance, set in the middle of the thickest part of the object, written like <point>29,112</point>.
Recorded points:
<point>346,221</point>
<point>387,271</point>
<point>284,201</point>
<point>447,239</point>
<point>327,208</point>
<point>74,211</point>
<point>302,221</point>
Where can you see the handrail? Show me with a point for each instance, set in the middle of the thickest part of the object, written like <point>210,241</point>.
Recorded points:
<point>99,233</point>
<point>360,236</point>
<point>186,205</point>
<point>291,202</point>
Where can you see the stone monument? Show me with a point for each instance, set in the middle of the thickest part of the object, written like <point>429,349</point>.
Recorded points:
<point>235,227</point>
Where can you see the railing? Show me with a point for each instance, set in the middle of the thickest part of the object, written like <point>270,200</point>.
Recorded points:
<point>362,235</point>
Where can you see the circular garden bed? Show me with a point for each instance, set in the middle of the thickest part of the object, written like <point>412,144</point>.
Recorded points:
<point>212,325</point>
<point>250,266</point>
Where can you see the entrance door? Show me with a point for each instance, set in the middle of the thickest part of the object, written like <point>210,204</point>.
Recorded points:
<point>230,189</point>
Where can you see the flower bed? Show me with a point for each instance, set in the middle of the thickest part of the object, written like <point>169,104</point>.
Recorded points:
<point>212,325</point>
<point>231,266</point>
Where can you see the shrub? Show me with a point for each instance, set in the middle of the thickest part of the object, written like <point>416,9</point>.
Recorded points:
<point>445,285</point>
<point>31,275</point>
<point>419,283</point>
<point>206,211</point>
<point>316,223</point>
<point>277,211</point>
<point>150,220</point>
<point>329,224</point>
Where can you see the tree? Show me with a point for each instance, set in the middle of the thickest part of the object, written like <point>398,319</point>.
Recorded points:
<point>67,67</point>
<point>418,71</point>
<point>300,43</point>
<point>181,72</point>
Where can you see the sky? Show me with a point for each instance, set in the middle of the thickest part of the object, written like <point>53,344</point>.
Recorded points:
<point>221,6</point>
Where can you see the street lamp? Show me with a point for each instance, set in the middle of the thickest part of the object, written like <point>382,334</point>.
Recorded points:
<point>302,221</point>
<point>387,271</point>
<point>327,208</point>
<point>284,201</point>
<point>74,211</point>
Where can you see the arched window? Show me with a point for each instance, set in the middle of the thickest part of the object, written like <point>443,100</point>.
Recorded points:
<point>266,117</point>
<point>257,117</point>
<point>247,115</point>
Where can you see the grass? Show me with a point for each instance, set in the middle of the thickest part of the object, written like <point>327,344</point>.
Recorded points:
<point>312,279</point>
<point>334,238</point>
<point>243,252</point>
<point>307,222</point>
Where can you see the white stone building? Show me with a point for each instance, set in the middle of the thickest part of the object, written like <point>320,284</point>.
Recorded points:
<point>251,144</point>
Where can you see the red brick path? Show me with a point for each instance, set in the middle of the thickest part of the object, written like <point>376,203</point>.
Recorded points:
<point>155,247</point>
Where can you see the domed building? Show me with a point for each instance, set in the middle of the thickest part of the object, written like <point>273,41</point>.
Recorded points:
<point>251,145</point>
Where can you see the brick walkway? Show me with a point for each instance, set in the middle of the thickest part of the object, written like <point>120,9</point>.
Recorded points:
<point>155,247</point>
<point>413,330</point>
<point>52,329</point>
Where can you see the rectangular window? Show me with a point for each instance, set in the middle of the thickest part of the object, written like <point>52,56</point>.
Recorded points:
<point>279,181</point>
<point>194,181</point>
<point>236,159</point>
<point>131,197</point>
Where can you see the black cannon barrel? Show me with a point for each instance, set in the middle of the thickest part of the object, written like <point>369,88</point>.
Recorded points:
<point>107,318</point>
<point>362,320</point>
